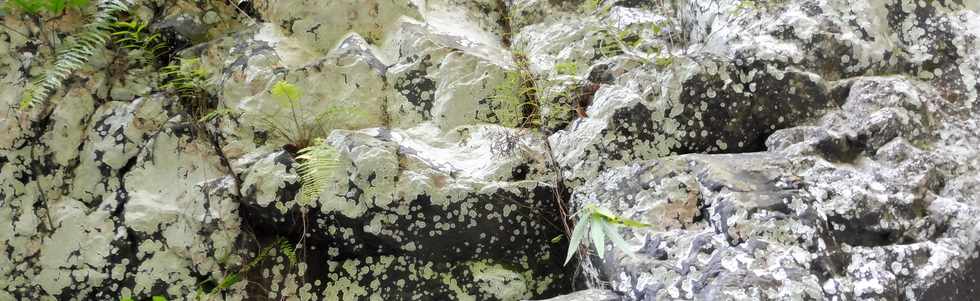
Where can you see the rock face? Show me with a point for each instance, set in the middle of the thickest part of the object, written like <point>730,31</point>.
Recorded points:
<point>844,177</point>
<point>796,149</point>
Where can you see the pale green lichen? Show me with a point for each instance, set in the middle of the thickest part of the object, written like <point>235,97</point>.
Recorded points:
<point>499,282</point>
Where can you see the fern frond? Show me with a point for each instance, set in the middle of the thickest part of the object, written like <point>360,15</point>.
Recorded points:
<point>287,249</point>
<point>315,166</point>
<point>78,50</point>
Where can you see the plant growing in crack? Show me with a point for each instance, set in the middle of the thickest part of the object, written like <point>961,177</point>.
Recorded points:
<point>516,97</point>
<point>190,82</point>
<point>209,288</point>
<point>316,159</point>
<point>316,163</point>
<point>134,35</point>
<point>302,127</point>
<point>600,224</point>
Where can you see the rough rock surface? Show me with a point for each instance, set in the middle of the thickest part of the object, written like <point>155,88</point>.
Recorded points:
<point>792,149</point>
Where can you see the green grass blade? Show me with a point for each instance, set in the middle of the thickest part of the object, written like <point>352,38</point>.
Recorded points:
<point>577,235</point>
<point>598,235</point>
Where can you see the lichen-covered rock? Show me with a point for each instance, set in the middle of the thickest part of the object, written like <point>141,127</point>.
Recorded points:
<point>850,199</point>
<point>442,77</point>
<point>796,149</point>
<point>587,295</point>
<point>431,199</point>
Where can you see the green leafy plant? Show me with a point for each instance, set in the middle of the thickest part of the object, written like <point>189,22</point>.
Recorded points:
<point>625,42</point>
<point>304,128</point>
<point>289,250</point>
<point>215,114</point>
<point>745,5</point>
<point>600,224</point>
<point>316,159</point>
<point>590,5</point>
<point>189,80</point>
<point>567,68</point>
<point>54,7</point>
<point>76,52</point>
<point>516,97</point>
<point>233,278</point>
<point>134,35</point>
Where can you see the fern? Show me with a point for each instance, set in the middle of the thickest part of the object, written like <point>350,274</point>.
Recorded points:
<point>303,127</point>
<point>134,35</point>
<point>190,82</point>
<point>287,249</point>
<point>316,163</point>
<point>514,99</point>
<point>74,55</point>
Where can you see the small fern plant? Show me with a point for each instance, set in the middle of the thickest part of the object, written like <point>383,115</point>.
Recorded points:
<point>190,82</point>
<point>316,159</point>
<point>316,163</point>
<point>134,35</point>
<point>303,127</point>
<point>599,224</point>
<point>76,52</point>
<point>516,98</point>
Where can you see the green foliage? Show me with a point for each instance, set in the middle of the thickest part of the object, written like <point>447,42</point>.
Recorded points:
<point>286,93</point>
<point>745,5</point>
<point>263,255</point>
<point>316,159</point>
<point>53,7</point>
<point>516,99</point>
<point>316,164</point>
<point>624,42</point>
<point>228,281</point>
<point>658,27</point>
<point>567,68</point>
<point>189,80</point>
<point>289,250</point>
<point>215,114</point>
<point>305,127</point>
<point>233,278</point>
<point>615,42</point>
<point>600,224</point>
<point>590,5</point>
<point>76,51</point>
<point>134,35</point>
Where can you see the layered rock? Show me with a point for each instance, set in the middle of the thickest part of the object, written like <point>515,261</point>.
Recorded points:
<point>779,149</point>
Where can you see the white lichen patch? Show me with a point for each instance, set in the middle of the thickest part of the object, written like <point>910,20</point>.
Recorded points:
<point>77,252</point>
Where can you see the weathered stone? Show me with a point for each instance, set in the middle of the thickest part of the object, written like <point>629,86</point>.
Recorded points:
<point>797,149</point>
<point>587,295</point>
